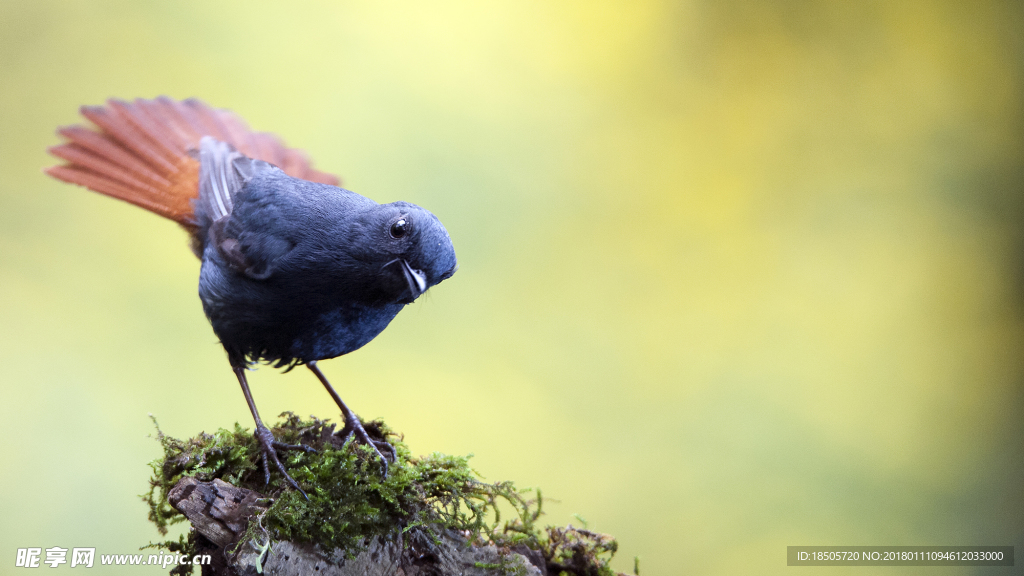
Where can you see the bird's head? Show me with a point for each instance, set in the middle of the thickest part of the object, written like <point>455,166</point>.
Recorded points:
<point>417,250</point>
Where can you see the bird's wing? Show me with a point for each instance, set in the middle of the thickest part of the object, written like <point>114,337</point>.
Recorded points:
<point>146,152</point>
<point>249,238</point>
<point>223,171</point>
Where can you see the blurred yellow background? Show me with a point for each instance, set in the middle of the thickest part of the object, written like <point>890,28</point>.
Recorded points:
<point>734,275</point>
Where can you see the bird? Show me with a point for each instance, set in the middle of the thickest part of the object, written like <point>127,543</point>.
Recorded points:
<point>294,268</point>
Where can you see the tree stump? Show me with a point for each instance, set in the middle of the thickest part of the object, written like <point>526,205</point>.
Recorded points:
<point>428,515</point>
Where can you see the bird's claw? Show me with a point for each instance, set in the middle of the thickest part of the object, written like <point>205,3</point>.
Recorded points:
<point>303,447</point>
<point>383,445</point>
<point>268,448</point>
<point>355,428</point>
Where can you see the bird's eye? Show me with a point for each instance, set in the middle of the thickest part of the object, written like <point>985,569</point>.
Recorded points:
<point>399,228</point>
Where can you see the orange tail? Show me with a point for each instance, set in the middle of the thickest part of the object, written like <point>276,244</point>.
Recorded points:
<point>146,153</point>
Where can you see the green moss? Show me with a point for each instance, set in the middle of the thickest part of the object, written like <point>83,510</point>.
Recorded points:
<point>350,502</point>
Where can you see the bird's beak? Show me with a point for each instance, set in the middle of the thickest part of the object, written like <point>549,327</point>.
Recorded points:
<point>416,278</point>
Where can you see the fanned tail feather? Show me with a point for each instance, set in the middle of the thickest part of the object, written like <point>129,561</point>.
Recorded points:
<point>146,152</point>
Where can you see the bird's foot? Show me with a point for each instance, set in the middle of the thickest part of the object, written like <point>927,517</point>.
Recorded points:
<point>269,447</point>
<point>353,427</point>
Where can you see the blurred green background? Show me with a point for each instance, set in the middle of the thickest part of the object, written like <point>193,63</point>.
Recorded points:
<point>734,275</point>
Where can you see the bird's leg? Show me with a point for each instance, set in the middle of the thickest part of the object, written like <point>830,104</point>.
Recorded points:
<point>265,438</point>
<point>352,423</point>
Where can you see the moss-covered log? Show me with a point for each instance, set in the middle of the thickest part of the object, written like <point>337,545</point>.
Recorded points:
<point>429,515</point>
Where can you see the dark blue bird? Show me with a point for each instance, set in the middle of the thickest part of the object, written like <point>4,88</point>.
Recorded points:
<point>294,268</point>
